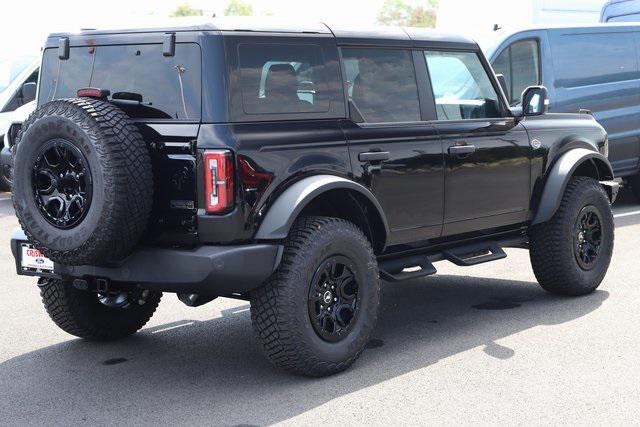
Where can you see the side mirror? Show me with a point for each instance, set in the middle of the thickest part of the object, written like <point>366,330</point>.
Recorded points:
<point>535,101</point>
<point>28,92</point>
<point>503,84</point>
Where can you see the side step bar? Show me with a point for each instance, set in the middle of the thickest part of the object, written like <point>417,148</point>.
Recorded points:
<point>466,256</point>
<point>395,269</point>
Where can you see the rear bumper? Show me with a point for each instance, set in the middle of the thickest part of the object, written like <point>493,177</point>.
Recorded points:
<point>203,270</point>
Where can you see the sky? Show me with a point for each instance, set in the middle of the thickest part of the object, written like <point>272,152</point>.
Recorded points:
<point>25,23</point>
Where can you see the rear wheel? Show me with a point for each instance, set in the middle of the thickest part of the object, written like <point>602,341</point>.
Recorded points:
<point>315,315</point>
<point>93,316</point>
<point>570,253</point>
<point>5,178</point>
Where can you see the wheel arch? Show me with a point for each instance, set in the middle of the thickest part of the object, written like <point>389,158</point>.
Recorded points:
<point>575,162</point>
<point>326,195</point>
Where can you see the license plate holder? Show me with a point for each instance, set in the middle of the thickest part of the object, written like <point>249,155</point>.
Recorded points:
<point>32,262</point>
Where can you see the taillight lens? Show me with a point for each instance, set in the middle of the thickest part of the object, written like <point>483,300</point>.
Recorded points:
<point>218,180</point>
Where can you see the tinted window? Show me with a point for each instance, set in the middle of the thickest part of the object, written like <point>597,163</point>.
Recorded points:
<point>283,79</point>
<point>519,63</point>
<point>461,86</point>
<point>169,86</point>
<point>382,84</point>
<point>589,59</point>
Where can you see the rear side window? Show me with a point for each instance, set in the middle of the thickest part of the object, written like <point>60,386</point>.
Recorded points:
<point>590,59</point>
<point>141,80</point>
<point>382,84</point>
<point>461,87</point>
<point>520,65</point>
<point>283,79</point>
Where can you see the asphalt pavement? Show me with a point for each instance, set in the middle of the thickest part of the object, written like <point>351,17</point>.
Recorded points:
<point>478,345</point>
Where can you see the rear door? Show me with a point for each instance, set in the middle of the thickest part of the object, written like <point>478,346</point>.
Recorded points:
<point>394,152</point>
<point>487,153</point>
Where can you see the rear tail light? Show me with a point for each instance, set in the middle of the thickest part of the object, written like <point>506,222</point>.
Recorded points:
<point>218,180</point>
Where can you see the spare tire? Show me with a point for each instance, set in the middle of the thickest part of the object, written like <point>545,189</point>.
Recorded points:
<point>83,181</point>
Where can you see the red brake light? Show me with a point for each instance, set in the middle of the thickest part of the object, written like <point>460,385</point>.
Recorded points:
<point>92,92</point>
<point>218,180</point>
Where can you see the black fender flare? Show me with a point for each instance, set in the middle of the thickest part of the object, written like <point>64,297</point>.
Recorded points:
<point>284,211</point>
<point>559,175</point>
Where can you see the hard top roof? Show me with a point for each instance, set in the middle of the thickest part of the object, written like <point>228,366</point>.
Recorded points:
<point>345,34</point>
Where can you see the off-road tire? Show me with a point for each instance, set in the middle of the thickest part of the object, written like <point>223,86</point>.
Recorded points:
<point>80,313</point>
<point>121,173</point>
<point>279,311</point>
<point>552,252</point>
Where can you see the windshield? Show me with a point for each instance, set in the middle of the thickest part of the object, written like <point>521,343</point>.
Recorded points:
<point>10,68</point>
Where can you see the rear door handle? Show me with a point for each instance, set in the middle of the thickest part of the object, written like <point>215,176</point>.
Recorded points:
<point>462,149</point>
<point>374,156</point>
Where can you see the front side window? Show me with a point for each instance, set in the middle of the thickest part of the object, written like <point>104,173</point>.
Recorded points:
<point>382,84</point>
<point>461,87</point>
<point>283,79</point>
<point>520,65</point>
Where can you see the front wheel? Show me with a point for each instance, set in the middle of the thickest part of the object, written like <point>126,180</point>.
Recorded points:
<point>570,253</point>
<point>316,314</point>
<point>97,317</point>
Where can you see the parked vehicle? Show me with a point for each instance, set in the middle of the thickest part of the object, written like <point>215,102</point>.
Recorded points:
<point>594,69</point>
<point>620,11</point>
<point>18,78</point>
<point>294,167</point>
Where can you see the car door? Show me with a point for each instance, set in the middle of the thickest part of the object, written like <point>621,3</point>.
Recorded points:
<point>487,153</point>
<point>394,152</point>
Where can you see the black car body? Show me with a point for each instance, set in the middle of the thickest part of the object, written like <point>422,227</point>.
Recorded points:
<point>325,121</point>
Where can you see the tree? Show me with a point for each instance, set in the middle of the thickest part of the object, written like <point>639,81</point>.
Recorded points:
<point>399,13</point>
<point>186,10</point>
<point>238,8</point>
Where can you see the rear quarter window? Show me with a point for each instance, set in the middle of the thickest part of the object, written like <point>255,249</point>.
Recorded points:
<point>168,86</point>
<point>284,80</point>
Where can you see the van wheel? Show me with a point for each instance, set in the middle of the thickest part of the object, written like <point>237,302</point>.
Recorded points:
<point>316,313</point>
<point>94,316</point>
<point>634,184</point>
<point>570,253</point>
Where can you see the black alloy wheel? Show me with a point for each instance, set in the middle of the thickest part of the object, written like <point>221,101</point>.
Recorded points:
<point>333,298</point>
<point>587,237</point>
<point>62,183</point>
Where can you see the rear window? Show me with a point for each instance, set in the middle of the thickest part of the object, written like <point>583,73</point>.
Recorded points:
<point>169,87</point>
<point>283,79</point>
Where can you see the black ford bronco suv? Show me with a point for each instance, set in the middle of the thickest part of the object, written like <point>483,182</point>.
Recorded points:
<point>295,167</point>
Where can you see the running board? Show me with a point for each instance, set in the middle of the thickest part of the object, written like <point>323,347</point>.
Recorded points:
<point>466,256</point>
<point>417,266</point>
<point>393,270</point>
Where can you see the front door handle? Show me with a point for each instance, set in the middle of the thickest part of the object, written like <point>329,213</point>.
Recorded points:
<point>374,156</point>
<point>459,150</point>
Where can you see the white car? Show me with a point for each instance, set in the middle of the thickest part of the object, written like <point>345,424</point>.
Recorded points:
<point>18,80</point>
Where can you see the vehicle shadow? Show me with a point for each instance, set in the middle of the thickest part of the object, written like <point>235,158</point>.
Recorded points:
<point>212,371</point>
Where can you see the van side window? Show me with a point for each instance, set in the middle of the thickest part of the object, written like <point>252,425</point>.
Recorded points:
<point>282,79</point>
<point>520,65</point>
<point>382,84</point>
<point>461,87</point>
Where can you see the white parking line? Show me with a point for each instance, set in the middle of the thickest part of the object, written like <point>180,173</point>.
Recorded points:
<point>620,215</point>
<point>4,198</point>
